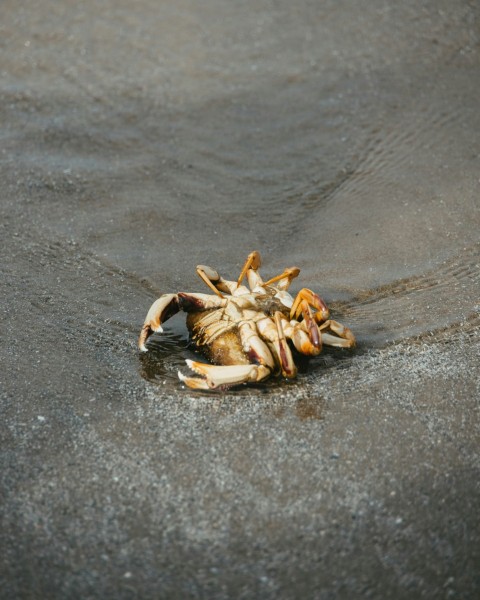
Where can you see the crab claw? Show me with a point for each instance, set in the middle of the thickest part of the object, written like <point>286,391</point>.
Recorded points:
<point>213,376</point>
<point>161,310</point>
<point>195,383</point>
<point>168,305</point>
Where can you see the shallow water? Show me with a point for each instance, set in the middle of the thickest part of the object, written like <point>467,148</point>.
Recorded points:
<point>137,141</point>
<point>358,165</point>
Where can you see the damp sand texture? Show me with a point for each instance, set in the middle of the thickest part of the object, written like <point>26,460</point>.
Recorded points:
<point>138,140</point>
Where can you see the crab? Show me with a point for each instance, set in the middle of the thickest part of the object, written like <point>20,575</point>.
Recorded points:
<point>248,332</point>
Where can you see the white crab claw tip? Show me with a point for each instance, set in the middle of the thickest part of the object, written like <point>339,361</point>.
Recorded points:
<point>181,376</point>
<point>189,363</point>
<point>143,348</point>
<point>158,329</point>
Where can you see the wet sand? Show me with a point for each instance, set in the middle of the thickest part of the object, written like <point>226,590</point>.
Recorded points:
<point>139,142</point>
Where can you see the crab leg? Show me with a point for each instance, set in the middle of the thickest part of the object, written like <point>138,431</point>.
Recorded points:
<point>285,278</point>
<point>286,359</point>
<point>310,325</point>
<point>274,334</point>
<point>344,338</point>
<point>252,264</point>
<point>255,348</point>
<point>297,333</point>
<point>216,283</point>
<point>210,277</point>
<point>312,300</point>
<point>213,376</point>
<point>168,305</point>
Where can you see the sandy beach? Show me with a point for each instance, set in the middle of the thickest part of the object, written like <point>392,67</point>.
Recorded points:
<point>139,140</point>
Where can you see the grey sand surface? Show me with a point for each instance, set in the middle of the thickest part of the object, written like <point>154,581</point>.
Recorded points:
<point>140,139</point>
